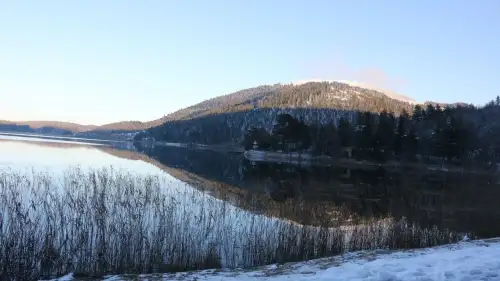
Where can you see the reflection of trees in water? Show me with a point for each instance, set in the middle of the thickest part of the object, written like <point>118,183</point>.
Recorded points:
<point>458,201</point>
<point>462,202</point>
<point>455,200</point>
<point>209,164</point>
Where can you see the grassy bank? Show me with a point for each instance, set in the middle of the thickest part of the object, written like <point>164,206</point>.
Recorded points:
<point>102,222</point>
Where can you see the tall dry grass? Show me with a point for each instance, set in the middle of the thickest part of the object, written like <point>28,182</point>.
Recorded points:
<point>105,221</point>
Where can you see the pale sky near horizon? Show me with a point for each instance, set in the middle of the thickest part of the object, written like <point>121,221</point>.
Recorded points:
<point>95,62</point>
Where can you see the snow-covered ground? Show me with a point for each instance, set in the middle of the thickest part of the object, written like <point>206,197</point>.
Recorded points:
<point>476,260</point>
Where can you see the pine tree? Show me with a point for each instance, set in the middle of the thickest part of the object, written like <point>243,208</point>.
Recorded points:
<point>418,114</point>
<point>400,133</point>
<point>330,142</point>
<point>345,132</point>
<point>385,131</point>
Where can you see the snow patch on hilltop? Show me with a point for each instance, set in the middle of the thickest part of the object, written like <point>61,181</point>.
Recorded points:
<point>388,93</point>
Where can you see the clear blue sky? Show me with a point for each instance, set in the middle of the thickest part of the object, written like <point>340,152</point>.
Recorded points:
<point>99,61</point>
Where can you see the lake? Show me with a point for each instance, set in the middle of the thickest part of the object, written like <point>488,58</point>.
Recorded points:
<point>98,208</point>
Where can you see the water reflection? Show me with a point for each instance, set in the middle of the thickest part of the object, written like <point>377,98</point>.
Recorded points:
<point>458,201</point>
<point>54,156</point>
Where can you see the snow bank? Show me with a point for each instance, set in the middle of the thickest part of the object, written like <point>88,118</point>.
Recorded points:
<point>477,260</point>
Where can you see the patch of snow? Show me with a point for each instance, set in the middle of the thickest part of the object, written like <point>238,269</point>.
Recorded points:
<point>474,260</point>
<point>388,93</point>
<point>339,98</point>
<point>305,81</point>
<point>64,278</point>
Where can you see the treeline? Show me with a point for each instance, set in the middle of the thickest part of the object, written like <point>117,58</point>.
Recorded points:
<point>453,134</point>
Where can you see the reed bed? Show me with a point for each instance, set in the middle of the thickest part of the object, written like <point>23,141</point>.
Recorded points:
<point>98,222</point>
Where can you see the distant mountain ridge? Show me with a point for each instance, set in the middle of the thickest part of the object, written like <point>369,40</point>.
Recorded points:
<point>53,124</point>
<point>74,128</point>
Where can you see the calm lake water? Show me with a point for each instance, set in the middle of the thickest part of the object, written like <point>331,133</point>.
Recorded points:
<point>109,209</point>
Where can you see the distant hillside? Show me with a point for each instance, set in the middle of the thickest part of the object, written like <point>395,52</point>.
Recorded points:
<point>244,99</point>
<point>67,126</point>
<point>225,119</point>
<point>129,125</point>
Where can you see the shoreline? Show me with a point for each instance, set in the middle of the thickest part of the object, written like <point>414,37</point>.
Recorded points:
<point>297,158</point>
<point>307,159</point>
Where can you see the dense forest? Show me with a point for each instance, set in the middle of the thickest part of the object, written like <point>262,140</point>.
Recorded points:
<point>453,134</point>
<point>225,119</point>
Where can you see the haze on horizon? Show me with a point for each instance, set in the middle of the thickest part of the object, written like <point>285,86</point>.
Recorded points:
<point>96,62</point>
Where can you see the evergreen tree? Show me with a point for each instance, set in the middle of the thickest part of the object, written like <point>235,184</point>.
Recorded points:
<point>439,141</point>
<point>314,132</point>
<point>291,134</point>
<point>345,132</point>
<point>328,142</point>
<point>257,136</point>
<point>430,112</point>
<point>400,133</point>
<point>365,143</point>
<point>418,114</point>
<point>411,144</point>
<point>385,131</point>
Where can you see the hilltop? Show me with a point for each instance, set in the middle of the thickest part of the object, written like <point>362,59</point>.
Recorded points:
<point>304,94</point>
<point>389,93</point>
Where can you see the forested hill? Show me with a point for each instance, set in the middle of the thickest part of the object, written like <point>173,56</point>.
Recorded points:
<point>40,126</point>
<point>332,95</point>
<point>225,119</point>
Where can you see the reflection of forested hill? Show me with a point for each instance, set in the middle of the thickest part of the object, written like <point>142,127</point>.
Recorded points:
<point>53,143</point>
<point>431,198</point>
<point>221,180</point>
